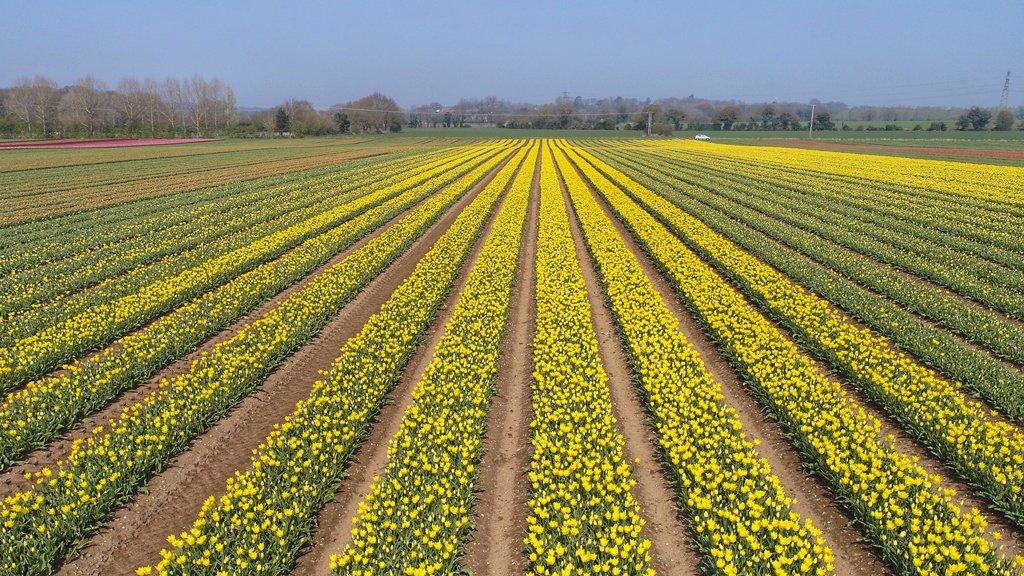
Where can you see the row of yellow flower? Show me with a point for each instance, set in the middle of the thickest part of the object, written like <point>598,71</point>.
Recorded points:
<point>741,516</point>
<point>287,211</point>
<point>41,524</point>
<point>417,515</point>
<point>973,181</point>
<point>215,228</point>
<point>35,414</point>
<point>37,354</point>
<point>900,506</point>
<point>813,198</point>
<point>582,517</point>
<point>991,219</point>
<point>987,452</point>
<point>267,512</point>
<point>882,299</point>
<point>977,278</point>
<point>963,223</point>
<point>110,227</point>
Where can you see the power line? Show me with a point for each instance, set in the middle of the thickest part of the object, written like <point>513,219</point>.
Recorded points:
<point>505,114</point>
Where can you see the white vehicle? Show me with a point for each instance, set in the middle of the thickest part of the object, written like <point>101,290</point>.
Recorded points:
<point>702,137</point>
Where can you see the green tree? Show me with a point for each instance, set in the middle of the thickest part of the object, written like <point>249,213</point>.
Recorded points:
<point>978,117</point>
<point>1004,120</point>
<point>824,121</point>
<point>342,121</point>
<point>676,117</point>
<point>768,119</point>
<point>787,120</point>
<point>661,129</point>
<point>727,116</point>
<point>963,122</point>
<point>281,122</point>
<point>641,118</point>
<point>7,126</point>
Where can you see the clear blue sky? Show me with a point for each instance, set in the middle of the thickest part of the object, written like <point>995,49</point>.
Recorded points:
<point>860,51</point>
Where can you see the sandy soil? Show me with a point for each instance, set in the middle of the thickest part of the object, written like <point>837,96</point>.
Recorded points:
<point>495,547</point>
<point>672,551</point>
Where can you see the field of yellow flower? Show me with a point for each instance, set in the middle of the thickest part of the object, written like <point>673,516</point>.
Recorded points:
<point>826,352</point>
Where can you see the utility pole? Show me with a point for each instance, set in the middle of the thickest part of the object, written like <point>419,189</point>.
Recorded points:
<point>1004,102</point>
<point>649,115</point>
<point>811,129</point>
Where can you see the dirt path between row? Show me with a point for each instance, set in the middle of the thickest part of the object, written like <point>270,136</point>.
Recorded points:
<point>172,499</point>
<point>672,550</point>
<point>334,523</point>
<point>812,499</point>
<point>496,545</point>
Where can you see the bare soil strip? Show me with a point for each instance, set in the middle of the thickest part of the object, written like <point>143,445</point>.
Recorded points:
<point>496,546</point>
<point>672,550</point>
<point>335,521</point>
<point>172,499</point>
<point>813,500</point>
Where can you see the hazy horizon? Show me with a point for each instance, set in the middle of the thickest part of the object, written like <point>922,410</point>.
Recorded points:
<point>874,53</point>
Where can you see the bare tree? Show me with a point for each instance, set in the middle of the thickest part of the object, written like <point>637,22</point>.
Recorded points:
<point>193,97</point>
<point>171,93</point>
<point>153,108</point>
<point>81,107</point>
<point>129,99</point>
<point>33,101</point>
<point>19,103</point>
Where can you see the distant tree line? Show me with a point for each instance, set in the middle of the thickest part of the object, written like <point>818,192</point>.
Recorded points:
<point>692,113</point>
<point>39,108</point>
<point>374,114</point>
<point>978,118</point>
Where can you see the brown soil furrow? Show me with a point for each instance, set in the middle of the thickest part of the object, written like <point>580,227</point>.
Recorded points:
<point>172,499</point>
<point>496,546</point>
<point>672,550</point>
<point>812,499</point>
<point>336,519</point>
